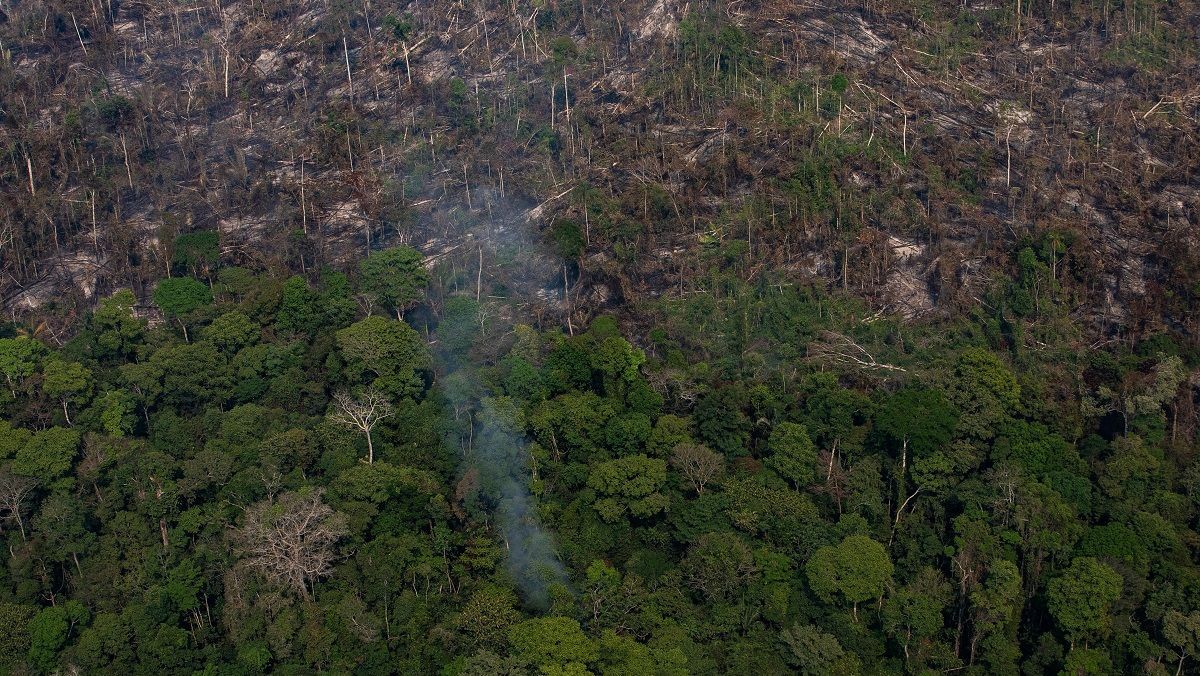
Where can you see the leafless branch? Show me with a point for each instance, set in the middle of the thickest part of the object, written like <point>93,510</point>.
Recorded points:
<point>14,491</point>
<point>291,541</point>
<point>840,349</point>
<point>361,413</point>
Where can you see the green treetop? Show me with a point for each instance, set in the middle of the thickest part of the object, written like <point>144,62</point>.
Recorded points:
<point>395,278</point>
<point>1081,597</point>
<point>857,569</point>
<point>180,296</point>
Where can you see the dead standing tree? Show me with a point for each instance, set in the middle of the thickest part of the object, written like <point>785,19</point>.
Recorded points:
<point>14,492</point>
<point>362,414</point>
<point>291,541</point>
<point>698,465</point>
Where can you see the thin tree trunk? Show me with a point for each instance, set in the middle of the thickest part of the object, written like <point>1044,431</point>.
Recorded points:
<point>29,168</point>
<point>349,77</point>
<point>567,300</point>
<point>407,68</point>
<point>128,171</point>
<point>78,33</point>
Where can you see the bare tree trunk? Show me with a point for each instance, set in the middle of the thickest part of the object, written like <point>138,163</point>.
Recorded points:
<point>29,168</point>
<point>407,68</point>
<point>78,34</point>
<point>567,300</point>
<point>95,231</point>
<point>1008,151</point>
<point>303,208</point>
<point>349,77</point>
<point>128,171</point>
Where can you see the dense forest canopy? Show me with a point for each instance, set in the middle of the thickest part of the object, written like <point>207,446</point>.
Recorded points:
<point>268,478</point>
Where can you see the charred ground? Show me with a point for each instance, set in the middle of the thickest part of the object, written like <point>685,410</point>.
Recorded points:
<point>906,151</point>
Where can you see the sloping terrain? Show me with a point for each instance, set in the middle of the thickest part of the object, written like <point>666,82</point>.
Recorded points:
<point>646,337</point>
<point>906,151</point>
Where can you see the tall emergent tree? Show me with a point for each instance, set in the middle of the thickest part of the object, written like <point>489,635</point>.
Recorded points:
<point>362,413</point>
<point>857,569</point>
<point>290,541</point>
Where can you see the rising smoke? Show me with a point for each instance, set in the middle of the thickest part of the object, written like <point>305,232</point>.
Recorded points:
<point>494,441</point>
<point>501,459</point>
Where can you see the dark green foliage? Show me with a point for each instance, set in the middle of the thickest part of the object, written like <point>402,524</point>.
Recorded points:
<point>1035,449</point>
<point>385,353</point>
<point>629,487</point>
<point>396,277</point>
<point>895,371</point>
<point>47,455</point>
<point>722,423</point>
<point>563,50</point>
<point>113,111</point>
<point>552,642</point>
<point>793,454</point>
<point>196,253</point>
<point>841,523</point>
<point>49,630</point>
<point>720,566</point>
<point>14,633</point>
<point>812,187</point>
<point>707,40</point>
<point>459,325</point>
<point>568,239</point>
<point>401,27</point>
<point>116,331</point>
<point>298,309</point>
<point>920,419</point>
<point>181,295</point>
<point>1080,598</point>
<point>855,570</point>
<point>812,652</point>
